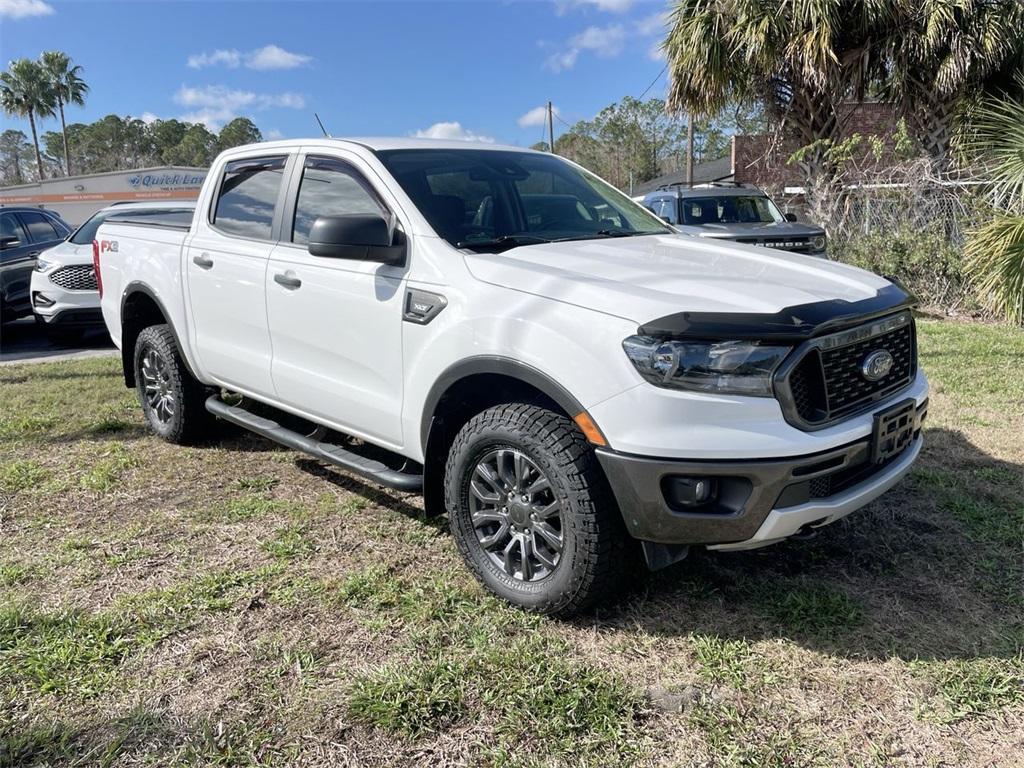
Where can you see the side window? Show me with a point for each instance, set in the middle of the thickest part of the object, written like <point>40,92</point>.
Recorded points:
<point>10,228</point>
<point>328,188</point>
<point>39,227</point>
<point>248,194</point>
<point>670,210</point>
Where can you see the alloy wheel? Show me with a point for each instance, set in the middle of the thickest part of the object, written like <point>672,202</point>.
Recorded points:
<point>515,515</point>
<point>157,386</point>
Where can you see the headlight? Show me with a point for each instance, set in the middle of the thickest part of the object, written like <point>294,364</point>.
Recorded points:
<point>818,243</point>
<point>733,367</point>
<point>42,265</point>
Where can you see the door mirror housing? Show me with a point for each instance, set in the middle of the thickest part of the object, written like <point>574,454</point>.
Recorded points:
<point>9,242</point>
<point>790,216</point>
<point>357,236</point>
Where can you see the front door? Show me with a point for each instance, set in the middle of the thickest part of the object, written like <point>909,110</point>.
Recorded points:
<point>336,324</point>
<point>226,266</point>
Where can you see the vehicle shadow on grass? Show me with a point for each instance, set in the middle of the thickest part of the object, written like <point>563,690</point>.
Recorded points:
<point>932,570</point>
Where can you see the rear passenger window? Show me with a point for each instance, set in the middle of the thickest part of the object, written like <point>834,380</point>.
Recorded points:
<point>11,230</point>
<point>40,228</point>
<point>329,188</point>
<point>248,194</point>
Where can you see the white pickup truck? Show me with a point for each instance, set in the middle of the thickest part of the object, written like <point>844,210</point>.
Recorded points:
<point>537,354</point>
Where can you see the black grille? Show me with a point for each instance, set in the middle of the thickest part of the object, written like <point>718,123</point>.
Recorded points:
<point>81,277</point>
<point>827,383</point>
<point>820,487</point>
<point>847,387</point>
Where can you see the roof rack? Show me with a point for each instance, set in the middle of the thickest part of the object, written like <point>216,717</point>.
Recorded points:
<point>704,184</point>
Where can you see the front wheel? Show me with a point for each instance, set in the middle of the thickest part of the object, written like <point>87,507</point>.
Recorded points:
<point>173,402</point>
<point>531,510</point>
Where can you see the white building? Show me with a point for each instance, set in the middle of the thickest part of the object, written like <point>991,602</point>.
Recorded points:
<point>76,198</point>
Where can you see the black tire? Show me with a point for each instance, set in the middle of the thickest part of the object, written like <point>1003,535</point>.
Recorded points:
<point>182,419</point>
<point>594,553</point>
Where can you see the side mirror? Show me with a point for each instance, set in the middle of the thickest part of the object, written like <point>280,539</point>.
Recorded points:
<point>8,243</point>
<point>790,216</point>
<point>356,236</point>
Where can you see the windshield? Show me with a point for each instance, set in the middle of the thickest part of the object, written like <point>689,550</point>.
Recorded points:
<point>491,199</point>
<point>86,233</point>
<point>741,209</point>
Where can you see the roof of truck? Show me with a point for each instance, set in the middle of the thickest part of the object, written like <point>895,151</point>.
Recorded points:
<point>398,142</point>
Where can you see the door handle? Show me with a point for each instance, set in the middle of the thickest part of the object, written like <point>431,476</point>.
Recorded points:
<point>203,260</point>
<point>287,281</point>
<point>34,254</point>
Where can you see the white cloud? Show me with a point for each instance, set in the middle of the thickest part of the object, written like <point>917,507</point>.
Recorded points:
<point>654,53</point>
<point>227,58</point>
<point>214,105</point>
<point>273,135</point>
<point>536,116</point>
<point>148,117</point>
<point>20,9</point>
<point>605,42</point>
<point>267,57</point>
<point>655,24</point>
<point>612,6</point>
<point>452,130</point>
<point>273,57</point>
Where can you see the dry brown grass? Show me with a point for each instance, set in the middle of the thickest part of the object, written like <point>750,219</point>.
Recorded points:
<point>238,604</point>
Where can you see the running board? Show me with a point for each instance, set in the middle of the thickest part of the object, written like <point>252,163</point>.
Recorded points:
<point>328,452</point>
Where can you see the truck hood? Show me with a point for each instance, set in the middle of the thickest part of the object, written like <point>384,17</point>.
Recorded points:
<point>775,230</point>
<point>647,277</point>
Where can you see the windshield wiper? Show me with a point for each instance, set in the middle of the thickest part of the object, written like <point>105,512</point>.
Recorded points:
<point>602,233</point>
<point>504,242</point>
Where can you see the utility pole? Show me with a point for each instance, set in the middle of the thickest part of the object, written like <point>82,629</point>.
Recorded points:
<point>689,150</point>
<point>551,129</point>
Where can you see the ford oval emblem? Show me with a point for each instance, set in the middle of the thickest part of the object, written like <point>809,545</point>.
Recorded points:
<point>877,365</point>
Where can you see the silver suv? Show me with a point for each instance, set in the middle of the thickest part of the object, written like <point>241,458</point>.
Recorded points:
<point>732,211</point>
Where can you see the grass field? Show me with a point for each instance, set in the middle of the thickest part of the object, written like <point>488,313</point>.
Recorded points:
<point>237,604</point>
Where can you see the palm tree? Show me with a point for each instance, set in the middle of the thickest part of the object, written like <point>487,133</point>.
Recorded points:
<point>68,87</point>
<point>943,54</point>
<point>995,250</point>
<point>803,59</point>
<point>25,92</point>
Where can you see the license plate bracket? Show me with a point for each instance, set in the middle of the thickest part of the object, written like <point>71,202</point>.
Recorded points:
<point>893,430</point>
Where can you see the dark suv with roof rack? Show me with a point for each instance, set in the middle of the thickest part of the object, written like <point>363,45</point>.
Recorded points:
<point>731,211</point>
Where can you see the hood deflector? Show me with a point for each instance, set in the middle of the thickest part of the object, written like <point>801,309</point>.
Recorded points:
<point>794,324</point>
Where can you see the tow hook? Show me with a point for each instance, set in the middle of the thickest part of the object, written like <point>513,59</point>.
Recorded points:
<point>808,530</point>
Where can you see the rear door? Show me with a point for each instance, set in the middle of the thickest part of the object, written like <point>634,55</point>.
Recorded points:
<point>336,324</point>
<point>226,265</point>
<point>17,259</point>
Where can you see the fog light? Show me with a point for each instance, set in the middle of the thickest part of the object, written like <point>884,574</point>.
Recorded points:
<point>42,300</point>
<point>690,491</point>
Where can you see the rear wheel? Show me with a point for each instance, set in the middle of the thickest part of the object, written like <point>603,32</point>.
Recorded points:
<point>531,510</point>
<point>173,402</point>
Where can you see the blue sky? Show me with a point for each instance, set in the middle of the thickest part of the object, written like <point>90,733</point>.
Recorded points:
<point>479,69</point>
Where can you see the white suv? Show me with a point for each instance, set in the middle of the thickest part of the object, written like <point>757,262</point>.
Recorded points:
<point>63,288</point>
<point>539,355</point>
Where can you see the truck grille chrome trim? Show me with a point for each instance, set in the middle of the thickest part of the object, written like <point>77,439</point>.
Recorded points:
<point>823,381</point>
<point>80,277</point>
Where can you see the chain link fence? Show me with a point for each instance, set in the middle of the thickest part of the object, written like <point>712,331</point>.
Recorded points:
<point>911,224</point>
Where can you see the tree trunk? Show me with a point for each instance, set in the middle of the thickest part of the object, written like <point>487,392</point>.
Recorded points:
<point>64,131</point>
<point>35,142</point>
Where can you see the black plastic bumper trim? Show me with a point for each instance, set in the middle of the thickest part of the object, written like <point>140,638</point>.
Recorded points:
<point>636,482</point>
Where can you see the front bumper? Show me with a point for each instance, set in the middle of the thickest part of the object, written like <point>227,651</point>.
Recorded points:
<point>758,502</point>
<point>57,306</point>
